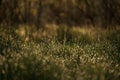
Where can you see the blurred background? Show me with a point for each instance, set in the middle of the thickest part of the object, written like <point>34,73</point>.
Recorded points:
<point>100,13</point>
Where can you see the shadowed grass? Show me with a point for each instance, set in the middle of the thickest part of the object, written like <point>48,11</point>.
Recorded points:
<point>60,53</point>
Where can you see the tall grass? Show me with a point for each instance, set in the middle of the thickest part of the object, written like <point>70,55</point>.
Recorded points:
<point>59,53</point>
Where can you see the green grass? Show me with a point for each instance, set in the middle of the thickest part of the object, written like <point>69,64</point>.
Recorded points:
<point>59,53</point>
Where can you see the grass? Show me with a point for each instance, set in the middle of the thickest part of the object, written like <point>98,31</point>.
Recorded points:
<point>59,53</point>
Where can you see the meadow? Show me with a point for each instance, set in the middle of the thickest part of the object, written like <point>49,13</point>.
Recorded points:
<point>59,52</point>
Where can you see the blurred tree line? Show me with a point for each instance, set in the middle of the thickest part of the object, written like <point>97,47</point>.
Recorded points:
<point>71,12</point>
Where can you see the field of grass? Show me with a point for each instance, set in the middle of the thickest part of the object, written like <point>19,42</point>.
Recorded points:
<point>59,53</point>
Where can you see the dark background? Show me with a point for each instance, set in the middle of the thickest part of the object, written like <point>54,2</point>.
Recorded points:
<point>100,13</point>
